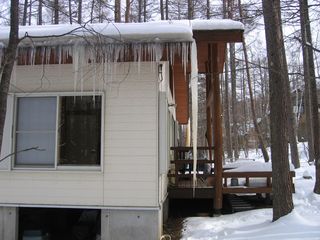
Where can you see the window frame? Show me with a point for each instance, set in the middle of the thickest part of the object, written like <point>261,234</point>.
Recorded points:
<point>56,166</point>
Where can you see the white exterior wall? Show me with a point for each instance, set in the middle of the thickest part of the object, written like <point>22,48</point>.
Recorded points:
<point>129,175</point>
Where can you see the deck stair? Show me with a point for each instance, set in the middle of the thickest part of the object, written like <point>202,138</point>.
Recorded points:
<point>238,204</point>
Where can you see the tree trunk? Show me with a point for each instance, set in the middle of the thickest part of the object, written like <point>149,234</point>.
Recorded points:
<point>40,12</point>
<point>253,111</point>
<point>8,62</point>
<point>235,143</point>
<point>56,11</point>
<point>25,12</point>
<point>139,10</point>
<point>30,13</point>
<point>128,10</point>
<point>208,9</point>
<point>161,10</point>
<point>190,9</point>
<point>281,180</point>
<point>145,10</point>
<point>167,10</point>
<point>226,105</point>
<point>245,137</point>
<point>117,11</point>
<point>308,57</point>
<point>91,11</point>
<point>292,135</point>
<point>308,73</point>
<point>70,11</point>
<point>227,110</point>
<point>79,11</point>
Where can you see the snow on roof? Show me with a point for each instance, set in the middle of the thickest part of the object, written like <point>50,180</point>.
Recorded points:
<point>158,31</point>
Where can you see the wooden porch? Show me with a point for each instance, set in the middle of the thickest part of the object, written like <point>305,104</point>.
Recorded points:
<point>181,173</point>
<point>213,179</point>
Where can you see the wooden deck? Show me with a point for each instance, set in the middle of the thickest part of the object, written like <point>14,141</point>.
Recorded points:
<point>181,173</point>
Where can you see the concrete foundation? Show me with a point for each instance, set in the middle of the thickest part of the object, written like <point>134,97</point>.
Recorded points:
<point>130,224</point>
<point>8,223</point>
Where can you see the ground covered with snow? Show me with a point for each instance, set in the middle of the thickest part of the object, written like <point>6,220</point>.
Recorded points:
<point>302,223</point>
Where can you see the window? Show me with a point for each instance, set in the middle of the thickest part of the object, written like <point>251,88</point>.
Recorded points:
<point>58,131</point>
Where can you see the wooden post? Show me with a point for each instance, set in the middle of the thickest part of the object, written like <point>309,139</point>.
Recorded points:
<point>217,128</point>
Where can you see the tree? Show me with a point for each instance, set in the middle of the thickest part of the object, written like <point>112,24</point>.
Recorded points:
<point>252,103</point>
<point>117,10</point>
<point>281,183</point>
<point>8,62</point>
<point>128,11</point>
<point>40,12</point>
<point>310,81</point>
<point>79,11</point>
<point>190,9</point>
<point>228,143</point>
<point>56,10</point>
<point>25,11</point>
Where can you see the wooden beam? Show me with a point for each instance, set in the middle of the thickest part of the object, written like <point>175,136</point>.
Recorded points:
<point>202,50</point>
<point>221,56</point>
<point>247,190</point>
<point>181,93</point>
<point>216,36</point>
<point>252,174</point>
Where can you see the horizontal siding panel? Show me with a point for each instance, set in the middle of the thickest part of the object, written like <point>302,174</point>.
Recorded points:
<point>130,161</point>
<point>131,143</point>
<point>131,94</point>
<point>127,111</point>
<point>133,135</point>
<point>132,119</point>
<point>133,152</point>
<point>126,178</point>
<point>137,103</point>
<point>130,176</point>
<point>38,189</point>
<point>133,186</point>
<point>136,169</point>
<point>147,126</point>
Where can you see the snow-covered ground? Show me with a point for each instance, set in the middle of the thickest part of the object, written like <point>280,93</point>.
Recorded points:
<point>302,223</point>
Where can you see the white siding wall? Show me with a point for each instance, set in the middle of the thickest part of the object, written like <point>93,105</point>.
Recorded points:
<point>130,175</point>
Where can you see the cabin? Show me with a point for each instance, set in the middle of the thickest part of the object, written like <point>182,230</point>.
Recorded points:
<point>91,147</point>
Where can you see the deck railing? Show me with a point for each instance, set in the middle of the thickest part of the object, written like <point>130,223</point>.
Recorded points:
<point>181,174</point>
<point>253,182</point>
<point>181,171</point>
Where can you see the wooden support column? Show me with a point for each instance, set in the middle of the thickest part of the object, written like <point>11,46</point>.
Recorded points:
<point>217,128</point>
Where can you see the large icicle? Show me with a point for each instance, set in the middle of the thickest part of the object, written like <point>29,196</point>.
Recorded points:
<point>194,98</point>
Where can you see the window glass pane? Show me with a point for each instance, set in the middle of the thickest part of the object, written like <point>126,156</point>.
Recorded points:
<point>44,155</point>
<point>80,130</point>
<point>36,114</point>
<point>36,128</point>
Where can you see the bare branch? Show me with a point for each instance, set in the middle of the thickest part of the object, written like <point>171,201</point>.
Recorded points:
<point>23,150</point>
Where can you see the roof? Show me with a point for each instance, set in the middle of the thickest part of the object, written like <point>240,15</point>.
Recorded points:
<point>149,32</point>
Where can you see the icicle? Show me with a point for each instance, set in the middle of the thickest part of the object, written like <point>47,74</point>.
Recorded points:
<point>75,57</point>
<point>82,61</point>
<point>59,55</point>
<point>31,56</point>
<point>194,96</point>
<point>48,55</point>
<point>184,56</point>
<point>94,77</point>
<point>42,54</point>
